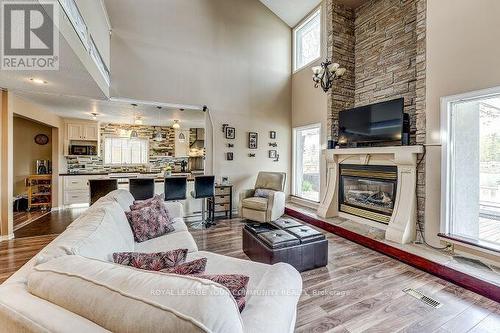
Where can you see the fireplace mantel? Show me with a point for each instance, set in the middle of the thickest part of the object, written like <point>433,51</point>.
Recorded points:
<point>402,226</point>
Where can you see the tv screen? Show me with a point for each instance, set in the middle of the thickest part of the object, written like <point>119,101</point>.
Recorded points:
<point>372,123</point>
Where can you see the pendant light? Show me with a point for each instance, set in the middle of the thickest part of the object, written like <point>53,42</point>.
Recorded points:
<point>158,137</point>
<point>133,133</point>
<point>176,124</point>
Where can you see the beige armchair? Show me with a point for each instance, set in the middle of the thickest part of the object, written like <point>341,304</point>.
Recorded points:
<point>266,202</point>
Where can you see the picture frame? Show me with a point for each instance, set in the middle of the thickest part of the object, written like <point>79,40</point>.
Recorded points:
<point>229,156</point>
<point>230,132</point>
<point>225,180</point>
<point>253,139</point>
<point>273,153</point>
<point>272,135</point>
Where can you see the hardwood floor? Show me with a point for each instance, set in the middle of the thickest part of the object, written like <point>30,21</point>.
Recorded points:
<point>54,222</point>
<point>22,219</point>
<point>360,290</point>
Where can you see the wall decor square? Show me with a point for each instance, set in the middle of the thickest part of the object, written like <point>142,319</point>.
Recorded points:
<point>272,135</point>
<point>253,140</point>
<point>230,132</point>
<point>273,154</point>
<point>229,156</point>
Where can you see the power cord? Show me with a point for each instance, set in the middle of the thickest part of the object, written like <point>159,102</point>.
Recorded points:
<point>419,225</point>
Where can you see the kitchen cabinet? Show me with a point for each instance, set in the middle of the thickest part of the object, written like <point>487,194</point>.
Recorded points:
<point>82,131</point>
<point>76,189</point>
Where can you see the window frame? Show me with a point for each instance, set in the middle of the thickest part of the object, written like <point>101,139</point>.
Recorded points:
<point>316,11</point>
<point>447,152</point>
<point>294,160</point>
<point>146,140</point>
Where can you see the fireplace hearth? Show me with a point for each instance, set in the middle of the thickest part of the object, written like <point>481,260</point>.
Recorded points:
<point>368,191</point>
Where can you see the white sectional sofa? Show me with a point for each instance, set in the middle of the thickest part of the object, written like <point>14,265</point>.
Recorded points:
<point>73,286</point>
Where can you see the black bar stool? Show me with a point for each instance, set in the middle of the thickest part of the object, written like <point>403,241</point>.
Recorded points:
<point>204,188</point>
<point>142,188</point>
<point>175,188</point>
<point>101,187</point>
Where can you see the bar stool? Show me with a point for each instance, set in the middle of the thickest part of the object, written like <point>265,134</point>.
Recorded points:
<point>142,188</point>
<point>204,188</point>
<point>175,188</point>
<point>101,187</point>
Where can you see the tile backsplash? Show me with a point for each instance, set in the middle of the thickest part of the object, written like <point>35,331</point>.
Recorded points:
<point>161,154</point>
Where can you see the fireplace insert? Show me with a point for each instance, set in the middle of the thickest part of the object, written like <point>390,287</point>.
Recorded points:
<point>368,191</point>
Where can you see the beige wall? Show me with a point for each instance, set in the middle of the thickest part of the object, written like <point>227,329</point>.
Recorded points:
<point>6,167</point>
<point>309,104</point>
<point>463,54</point>
<point>26,151</point>
<point>233,56</point>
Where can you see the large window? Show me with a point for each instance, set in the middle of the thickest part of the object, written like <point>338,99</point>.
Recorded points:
<point>306,143</point>
<point>307,41</point>
<point>118,151</point>
<point>471,159</point>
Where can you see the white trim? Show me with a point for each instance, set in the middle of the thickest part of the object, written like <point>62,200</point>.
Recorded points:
<point>294,154</point>
<point>300,25</point>
<point>6,237</point>
<point>304,202</point>
<point>447,149</point>
<point>106,16</point>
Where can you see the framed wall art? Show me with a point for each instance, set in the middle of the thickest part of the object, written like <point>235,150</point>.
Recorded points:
<point>253,140</point>
<point>272,135</point>
<point>230,132</point>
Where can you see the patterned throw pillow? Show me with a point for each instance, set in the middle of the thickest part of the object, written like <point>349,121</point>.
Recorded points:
<point>192,267</point>
<point>139,204</point>
<point>263,193</point>
<point>151,261</point>
<point>150,222</point>
<point>236,283</point>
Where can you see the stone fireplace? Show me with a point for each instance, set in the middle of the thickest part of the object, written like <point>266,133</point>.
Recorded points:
<point>368,191</point>
<point>374,186</point>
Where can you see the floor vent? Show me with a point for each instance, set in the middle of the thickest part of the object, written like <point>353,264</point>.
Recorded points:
<point>418,295</point>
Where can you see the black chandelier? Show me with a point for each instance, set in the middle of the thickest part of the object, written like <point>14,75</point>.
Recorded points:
<point>326,73</point>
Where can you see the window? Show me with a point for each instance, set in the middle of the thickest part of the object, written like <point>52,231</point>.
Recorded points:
<point>307,41</point>
<point>471,159</point>
<point>306,142</point>
<point>125,151</point>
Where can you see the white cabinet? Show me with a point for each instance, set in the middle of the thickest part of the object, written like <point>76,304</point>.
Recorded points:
<point>74,131</point>
<point>91,132</point>
<point>82,131</point>
<point>182,142</point>
<point>76,189</point>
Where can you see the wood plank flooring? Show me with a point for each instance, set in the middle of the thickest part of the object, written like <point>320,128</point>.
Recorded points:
<point>22,219</point>
<point>358,291</point>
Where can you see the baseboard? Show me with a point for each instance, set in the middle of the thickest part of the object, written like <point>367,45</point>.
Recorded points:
<point>461,279</point>
<point>6,237</point>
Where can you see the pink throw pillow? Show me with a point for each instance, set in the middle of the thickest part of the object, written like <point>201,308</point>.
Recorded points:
<point>192,267</point>
<point>150,222</point>
<point>151,261</point>
<point>236,283</point>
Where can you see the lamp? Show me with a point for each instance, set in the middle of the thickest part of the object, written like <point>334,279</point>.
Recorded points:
<point>176,124</point>
<point>325,74</point>
<point>158,137</point>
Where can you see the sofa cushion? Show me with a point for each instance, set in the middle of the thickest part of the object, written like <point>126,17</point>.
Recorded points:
<point>123,299</point>
<point>172,241</point>
<point>99,233</point>
<point>138,204</point>
<point>150,222</point>
<point>255,203</point>
<point>151,261</point>
<point>123,197</point>
<point>263,193</point>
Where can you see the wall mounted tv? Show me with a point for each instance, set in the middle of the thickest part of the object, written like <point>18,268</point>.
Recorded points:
<point>381,122</point>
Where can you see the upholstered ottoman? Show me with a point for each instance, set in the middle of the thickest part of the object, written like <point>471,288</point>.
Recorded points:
<point>300,246</point>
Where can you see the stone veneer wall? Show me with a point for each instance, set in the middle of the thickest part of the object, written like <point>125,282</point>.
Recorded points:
<point>382,45</point>
<point>160,153</point>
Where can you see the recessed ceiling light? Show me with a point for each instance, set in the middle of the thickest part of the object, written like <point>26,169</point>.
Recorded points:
<point>38,81</point>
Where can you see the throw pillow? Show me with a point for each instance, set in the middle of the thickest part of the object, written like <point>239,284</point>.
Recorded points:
<point>139,204</point>
<point>150,222</point>
<point>192,267</point>
<point>263,193</point>
<point>151,261</point>
<point>236,283</point>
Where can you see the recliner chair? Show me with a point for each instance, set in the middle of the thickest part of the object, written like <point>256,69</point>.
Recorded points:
<point>266,202</point>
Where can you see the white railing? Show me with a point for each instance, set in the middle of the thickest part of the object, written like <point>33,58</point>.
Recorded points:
<point>78,23</point>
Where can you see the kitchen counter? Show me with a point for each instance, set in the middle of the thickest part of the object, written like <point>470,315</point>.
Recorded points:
<point>123,176</point>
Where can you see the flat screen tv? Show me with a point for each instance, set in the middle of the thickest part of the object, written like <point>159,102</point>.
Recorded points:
<point>372,123</point>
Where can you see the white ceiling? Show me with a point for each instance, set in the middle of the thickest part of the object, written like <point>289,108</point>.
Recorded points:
<point>72,78</point>
<point>114,111</point>
<point>293,11</point>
